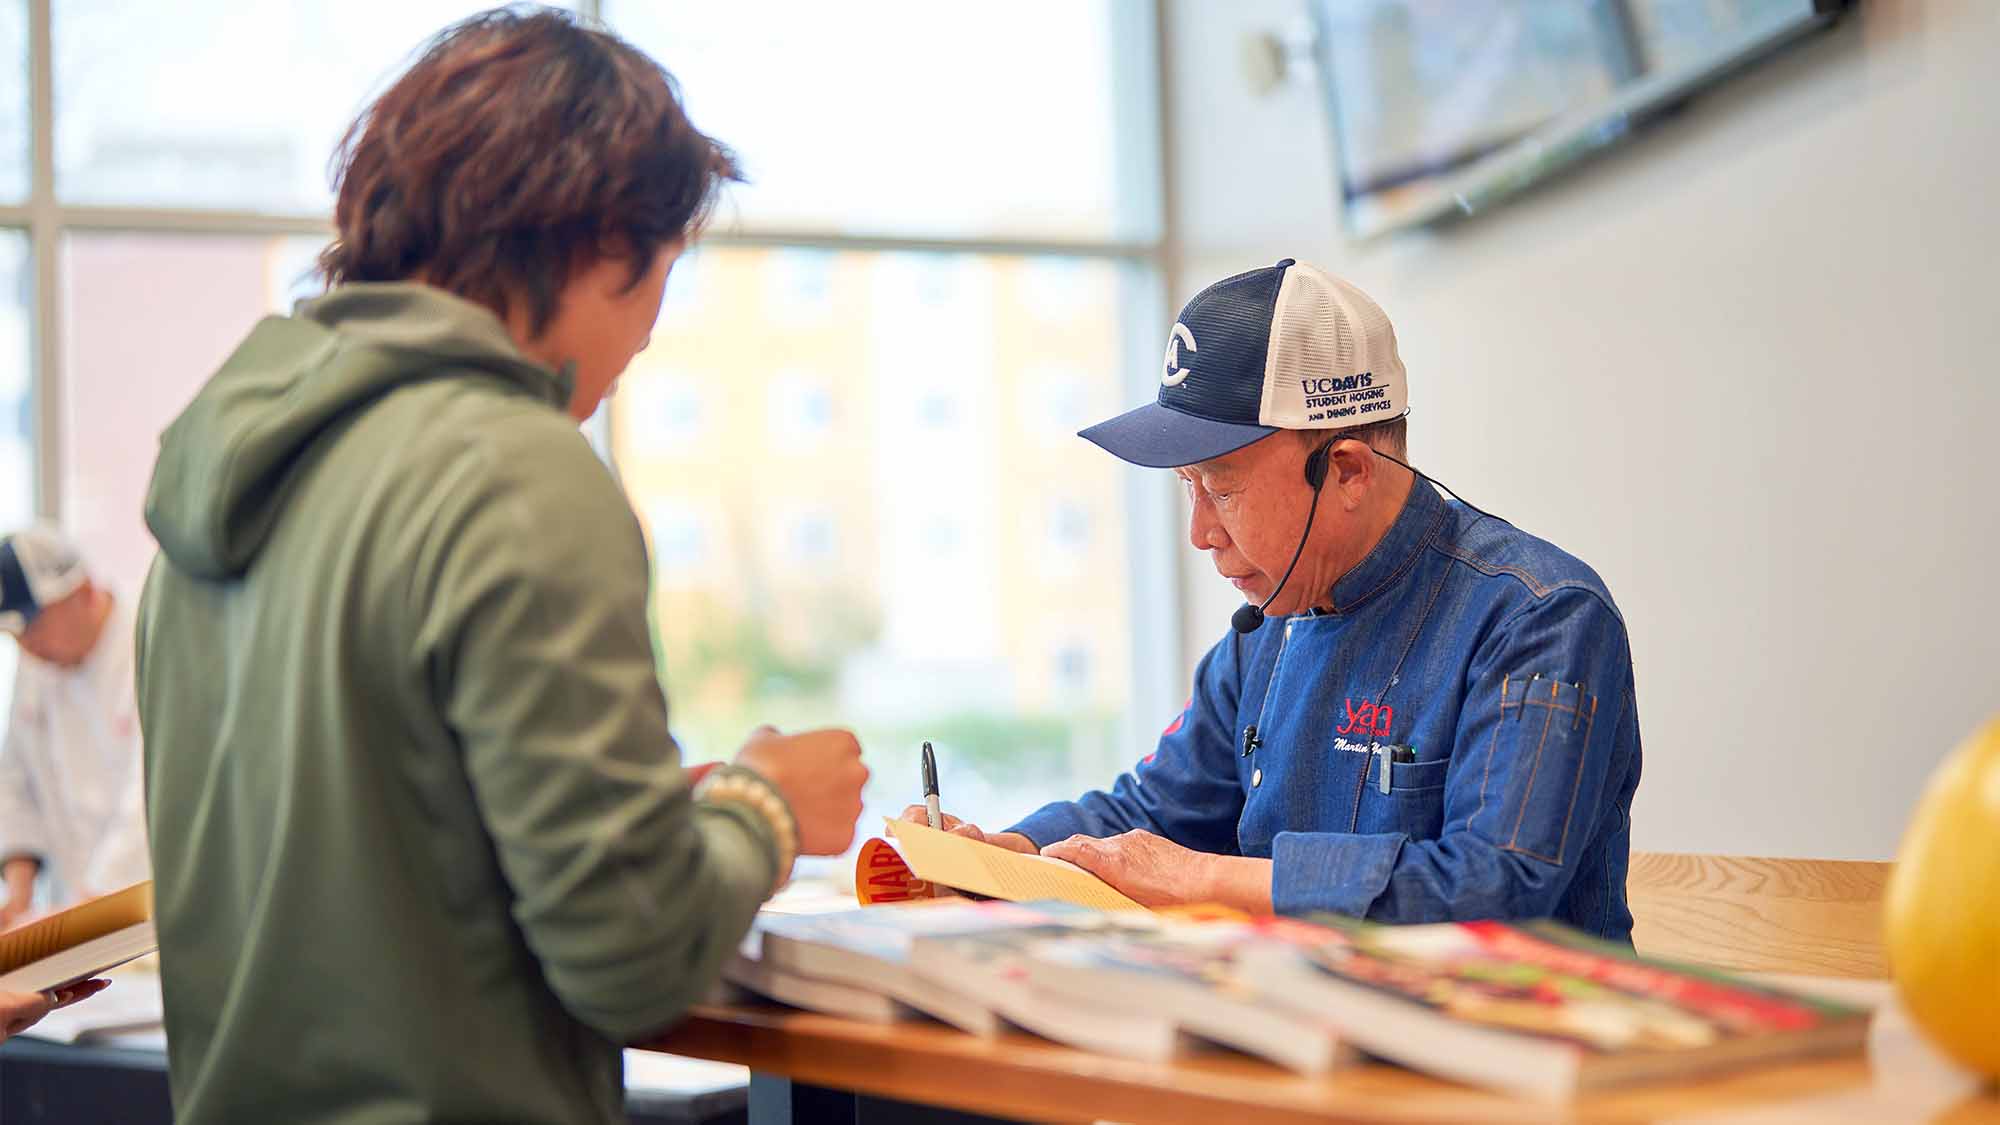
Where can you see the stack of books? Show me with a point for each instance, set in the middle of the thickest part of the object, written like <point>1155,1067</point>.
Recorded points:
<point>1536,1009</point>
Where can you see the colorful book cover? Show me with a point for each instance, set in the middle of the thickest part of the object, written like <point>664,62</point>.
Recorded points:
<point>1549,981</point>
<point>881,878</point>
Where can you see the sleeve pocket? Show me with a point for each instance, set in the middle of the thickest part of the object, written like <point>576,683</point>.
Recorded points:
<point>1545,727</point>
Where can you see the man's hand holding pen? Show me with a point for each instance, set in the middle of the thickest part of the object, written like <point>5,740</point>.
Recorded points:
<point>1012,841</point>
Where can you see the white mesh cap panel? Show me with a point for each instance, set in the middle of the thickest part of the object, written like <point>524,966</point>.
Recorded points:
<point>1332,362</point>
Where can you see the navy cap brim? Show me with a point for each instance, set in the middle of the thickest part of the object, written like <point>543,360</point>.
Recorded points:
<point>17,598</point>
<point>1160,437</point>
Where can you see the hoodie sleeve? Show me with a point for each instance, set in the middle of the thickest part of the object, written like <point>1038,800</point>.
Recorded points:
<point>532,593</point>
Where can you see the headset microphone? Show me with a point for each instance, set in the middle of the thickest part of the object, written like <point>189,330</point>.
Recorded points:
<point>1249,618</point>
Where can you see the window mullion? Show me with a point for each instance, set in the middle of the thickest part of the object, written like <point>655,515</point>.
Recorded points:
<point>45,236</point>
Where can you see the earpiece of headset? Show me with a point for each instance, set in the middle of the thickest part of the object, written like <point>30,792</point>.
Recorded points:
<point>1317,463</point>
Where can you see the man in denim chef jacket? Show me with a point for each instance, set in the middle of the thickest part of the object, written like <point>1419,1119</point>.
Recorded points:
<point>1435,722</point>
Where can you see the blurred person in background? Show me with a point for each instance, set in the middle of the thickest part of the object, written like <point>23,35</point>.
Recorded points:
<point>71,804</point>
<point>424,846</point>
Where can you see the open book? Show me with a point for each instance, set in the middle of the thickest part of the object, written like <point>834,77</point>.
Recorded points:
<point>80,942</point>
<point>941,859</point>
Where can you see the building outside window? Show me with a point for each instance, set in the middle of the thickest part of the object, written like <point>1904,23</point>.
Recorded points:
<point>856,416</point>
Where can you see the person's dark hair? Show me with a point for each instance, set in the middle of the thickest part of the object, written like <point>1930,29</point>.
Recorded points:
<point>519,148</point>
<point>1391,437</point>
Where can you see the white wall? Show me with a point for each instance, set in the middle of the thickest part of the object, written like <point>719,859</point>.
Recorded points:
<point>1745,367</point>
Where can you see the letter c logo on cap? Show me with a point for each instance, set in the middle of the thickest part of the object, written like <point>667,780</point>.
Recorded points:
<point>1173,375</point>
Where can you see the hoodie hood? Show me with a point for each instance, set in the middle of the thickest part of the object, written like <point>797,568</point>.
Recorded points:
<point>221,479</point>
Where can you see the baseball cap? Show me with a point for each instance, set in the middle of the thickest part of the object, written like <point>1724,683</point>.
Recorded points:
<point>1287,347</point>
<point>38,567</point>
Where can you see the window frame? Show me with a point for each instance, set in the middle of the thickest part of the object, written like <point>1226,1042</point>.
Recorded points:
<point>1158,572</point>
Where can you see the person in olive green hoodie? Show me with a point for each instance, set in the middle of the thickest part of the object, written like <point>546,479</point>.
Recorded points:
<point>423,847</point>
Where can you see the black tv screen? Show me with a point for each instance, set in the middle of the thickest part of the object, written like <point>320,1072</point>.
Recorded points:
<point>1442,107</point>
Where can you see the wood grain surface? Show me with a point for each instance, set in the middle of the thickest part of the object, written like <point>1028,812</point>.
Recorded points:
<point>1815,916</point>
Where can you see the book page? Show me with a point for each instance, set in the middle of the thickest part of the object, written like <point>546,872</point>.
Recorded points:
<point>984,869</point>
<point>80,962</point>
<point>80,923</point>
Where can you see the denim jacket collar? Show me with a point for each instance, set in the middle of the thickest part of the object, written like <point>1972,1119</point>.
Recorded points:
<point>1422,516</point>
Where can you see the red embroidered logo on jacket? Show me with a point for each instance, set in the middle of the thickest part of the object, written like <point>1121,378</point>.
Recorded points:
<point>1173,728</point>
<point>1368,719</point>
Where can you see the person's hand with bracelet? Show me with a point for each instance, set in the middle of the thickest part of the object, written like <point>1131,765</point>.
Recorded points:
<point>815,778</point>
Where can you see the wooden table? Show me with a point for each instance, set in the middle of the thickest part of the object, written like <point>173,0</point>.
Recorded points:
<point>1018,1076</point>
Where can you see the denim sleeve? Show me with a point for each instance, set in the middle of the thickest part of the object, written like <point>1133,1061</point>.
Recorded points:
<point>1534,756</point>
<point>1186,790</point>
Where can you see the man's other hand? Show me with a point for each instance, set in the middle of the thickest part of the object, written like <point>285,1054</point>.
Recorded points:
<point>1151,870</point>
<point>1012,841</point>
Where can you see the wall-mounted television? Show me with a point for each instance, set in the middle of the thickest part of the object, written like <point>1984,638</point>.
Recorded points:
<point>1444,107</point>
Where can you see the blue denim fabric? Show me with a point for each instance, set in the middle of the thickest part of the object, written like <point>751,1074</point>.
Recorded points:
<point>1497,658</point>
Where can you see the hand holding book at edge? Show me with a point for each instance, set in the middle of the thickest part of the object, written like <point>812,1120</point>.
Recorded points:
<point>20,1011</point>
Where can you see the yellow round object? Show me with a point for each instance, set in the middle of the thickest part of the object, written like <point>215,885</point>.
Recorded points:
<point>1943,926</point>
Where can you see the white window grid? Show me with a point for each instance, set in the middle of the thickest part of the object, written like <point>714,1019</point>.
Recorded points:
<point>1159,577</point>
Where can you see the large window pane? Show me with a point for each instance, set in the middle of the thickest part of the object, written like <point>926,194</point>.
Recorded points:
<point>14,145</point>
<point>867,505</point>
<point>133,358</point>
<point>17,406</point>
<point>17,398</point>
<point>221,104</point>
<point>1031,119</point>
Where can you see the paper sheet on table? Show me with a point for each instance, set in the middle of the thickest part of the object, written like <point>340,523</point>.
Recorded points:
<point>983,869</point>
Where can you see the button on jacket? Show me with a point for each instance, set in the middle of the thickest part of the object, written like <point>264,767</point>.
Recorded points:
<point>1486,671</point>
